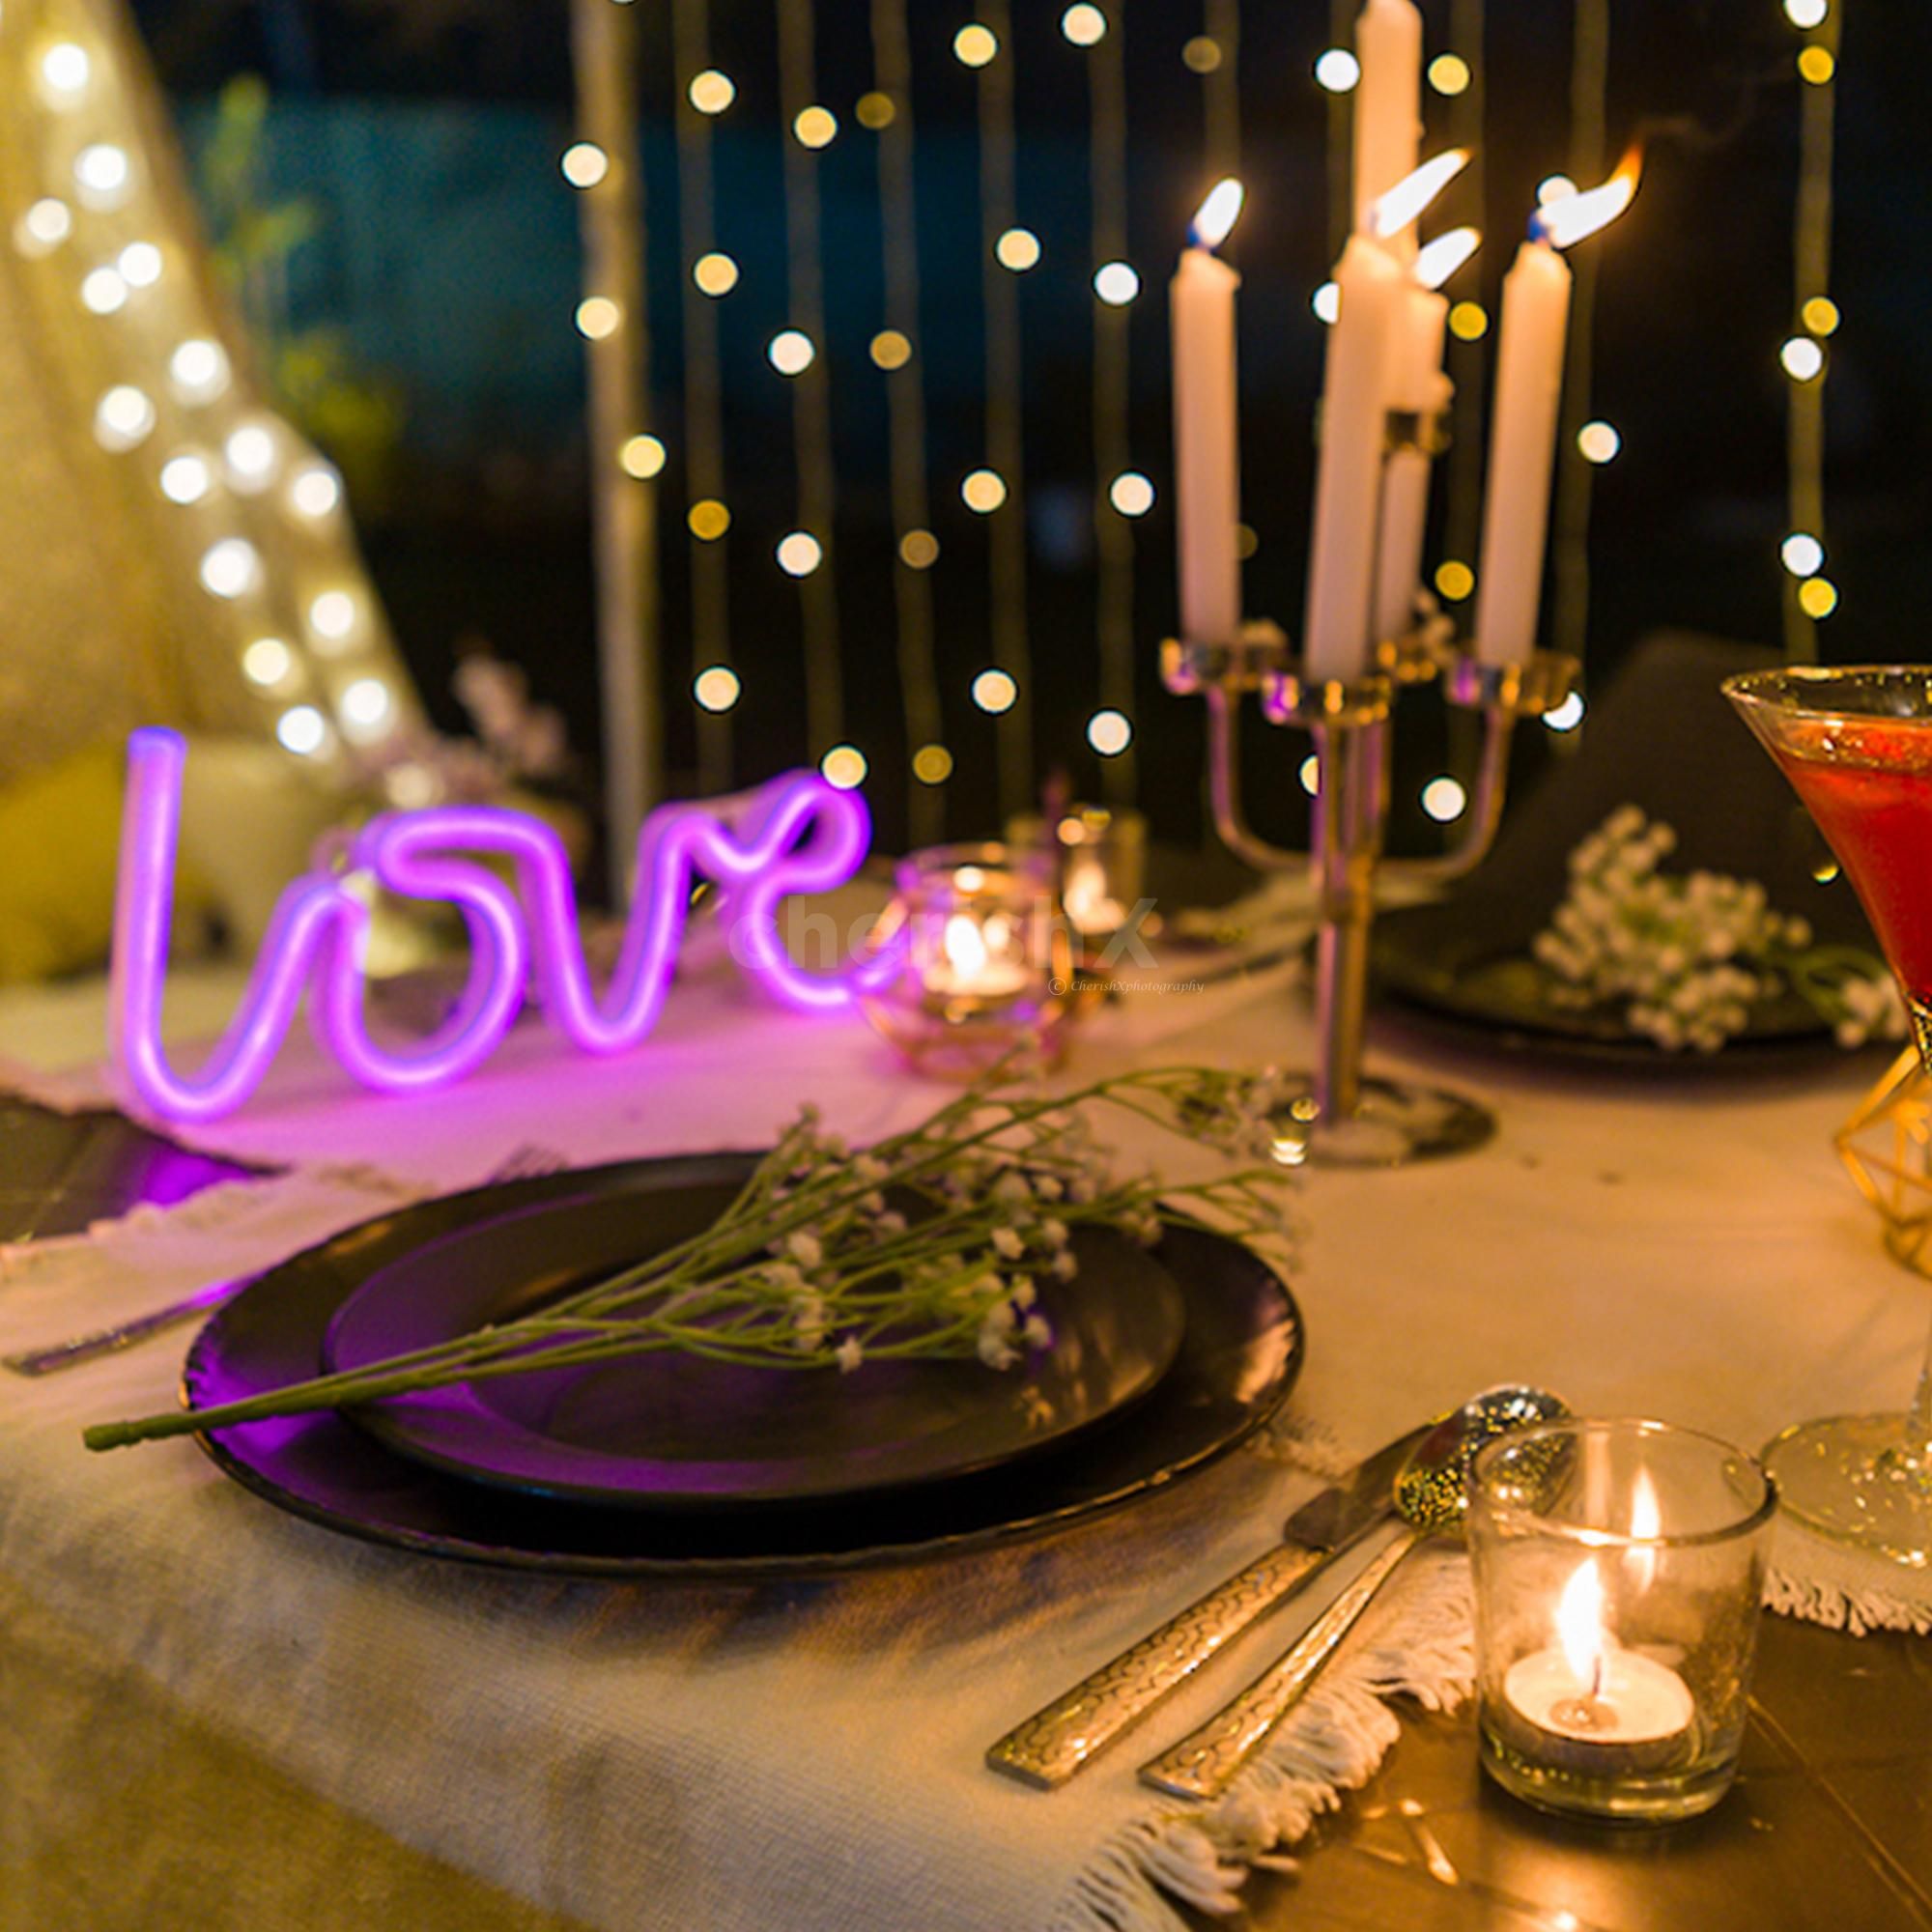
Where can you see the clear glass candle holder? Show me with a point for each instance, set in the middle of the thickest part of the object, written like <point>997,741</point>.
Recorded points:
<point>988,976</point>
<point>1099,858</point>
<point>1619,1567</point>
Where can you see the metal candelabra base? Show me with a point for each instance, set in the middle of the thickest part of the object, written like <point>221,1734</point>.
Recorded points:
<point>1343,1119</point>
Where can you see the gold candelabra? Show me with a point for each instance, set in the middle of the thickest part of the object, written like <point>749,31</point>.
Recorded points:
<point>1341,1116</point>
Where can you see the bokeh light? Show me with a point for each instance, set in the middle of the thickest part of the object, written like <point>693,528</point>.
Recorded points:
<point>641,457</point>
<point>711,92</point>
<point>983,491</point>
<point>791,351</point>
<point>1017,249</point>
<point>843,766</point>
<point>1802,358</point>
<point>716,688</point>
<point>975,46</point>
<point>715,273</point>
<point>995,691</point>
<point>1599,440</point>
<point>584,165</point>
<point>800,553</point>
<point>1338,71</point>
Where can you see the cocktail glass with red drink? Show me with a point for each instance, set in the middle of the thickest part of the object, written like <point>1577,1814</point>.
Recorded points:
<point>1857,747</point>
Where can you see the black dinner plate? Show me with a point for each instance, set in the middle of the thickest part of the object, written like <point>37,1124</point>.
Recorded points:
<point>1240,1353</point>
<point>1457,965</point>
<point>676,1431</point>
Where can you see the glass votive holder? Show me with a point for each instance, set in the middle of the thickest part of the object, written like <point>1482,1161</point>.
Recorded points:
<point>988,973</point>
<point>1099,858</point>
<point>1619,1567</point>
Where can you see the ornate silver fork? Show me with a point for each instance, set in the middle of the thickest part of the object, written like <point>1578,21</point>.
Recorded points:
<point>525,1162</point>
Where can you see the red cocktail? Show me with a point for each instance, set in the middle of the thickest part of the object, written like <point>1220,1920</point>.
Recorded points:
<point>1857,746</point>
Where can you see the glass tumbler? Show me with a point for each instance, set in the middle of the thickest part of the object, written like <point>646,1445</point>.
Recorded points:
<point>1619,1569</point>
<point>988,968</point>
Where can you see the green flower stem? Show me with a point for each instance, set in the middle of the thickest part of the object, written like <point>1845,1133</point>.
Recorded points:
<point>713,1296</point>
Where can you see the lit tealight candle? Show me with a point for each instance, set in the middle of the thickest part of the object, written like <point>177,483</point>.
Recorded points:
<point>967,965</point>
<point>1590,1705</point>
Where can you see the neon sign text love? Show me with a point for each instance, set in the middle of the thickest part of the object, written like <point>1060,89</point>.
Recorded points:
<point>803,836</point>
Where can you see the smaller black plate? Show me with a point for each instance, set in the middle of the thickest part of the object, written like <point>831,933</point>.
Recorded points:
<point>676,1431</point>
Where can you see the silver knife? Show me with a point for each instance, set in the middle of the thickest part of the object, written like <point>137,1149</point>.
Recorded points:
<point>1056,1742</point>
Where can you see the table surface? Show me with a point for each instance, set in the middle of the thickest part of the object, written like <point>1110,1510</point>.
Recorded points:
<point>1670,1243</point>
<point>1828,1825</point>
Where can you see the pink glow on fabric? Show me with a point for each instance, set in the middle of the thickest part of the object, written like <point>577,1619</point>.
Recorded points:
<point>803,836</point>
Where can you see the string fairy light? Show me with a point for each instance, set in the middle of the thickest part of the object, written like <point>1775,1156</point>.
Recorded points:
<point>918,549</point>
<point>109,231</point>
<point>988,46</point>
<point>1120,494</point>
<point>623,501</point>
<point>1583,444</point>
<point>698,102</point>
<point>1808,597</point>
<point>811,392</point>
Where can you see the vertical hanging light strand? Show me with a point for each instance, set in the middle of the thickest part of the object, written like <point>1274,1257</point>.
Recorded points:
<point>1468,357</point>
<point>1589,82</point>
<point>906,404</point>
<point>1222,22</point>
<point>1005,448</point>
<point>1341,134</point>
<point>1811,266</point>
<point>703,396</point>
<point>1112,449</point>
<point>604,51</point>
<point>812,386</point>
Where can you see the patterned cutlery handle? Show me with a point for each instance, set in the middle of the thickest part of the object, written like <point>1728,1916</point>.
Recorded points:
<point>1204,1763</point>
<point>1053,1744</point>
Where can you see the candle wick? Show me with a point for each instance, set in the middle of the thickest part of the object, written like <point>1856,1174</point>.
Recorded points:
<point>1597,1679</point>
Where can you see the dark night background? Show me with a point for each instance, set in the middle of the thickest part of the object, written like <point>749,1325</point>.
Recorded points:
<point>426,133</point>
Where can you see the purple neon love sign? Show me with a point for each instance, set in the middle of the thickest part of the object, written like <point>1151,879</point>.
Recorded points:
<point>803,836</point>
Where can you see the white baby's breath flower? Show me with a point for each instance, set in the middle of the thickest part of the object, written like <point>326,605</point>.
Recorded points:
<point>1053,1233</point>
<point>1066,1264</point>
<point>869,1168</point>
<point>995,1351</point>
<point>848,1354</point>
<point>1038,1332</point>
<point>805,1249</point>
<point>891,1222</point>
<point>1023,1293</point>
<point>1009,1244</point>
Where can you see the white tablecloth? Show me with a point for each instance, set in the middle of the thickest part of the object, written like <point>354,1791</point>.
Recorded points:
<point>507,1750</point>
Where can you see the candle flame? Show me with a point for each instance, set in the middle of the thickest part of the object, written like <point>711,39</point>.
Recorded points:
<point>1564,222</point>
<point>1442,257</point>
<point>1646,1522</point>
<point>1217,215</point>
<point>1580,1625</point>
<point>965,946</point>
<point>1394,210</point>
